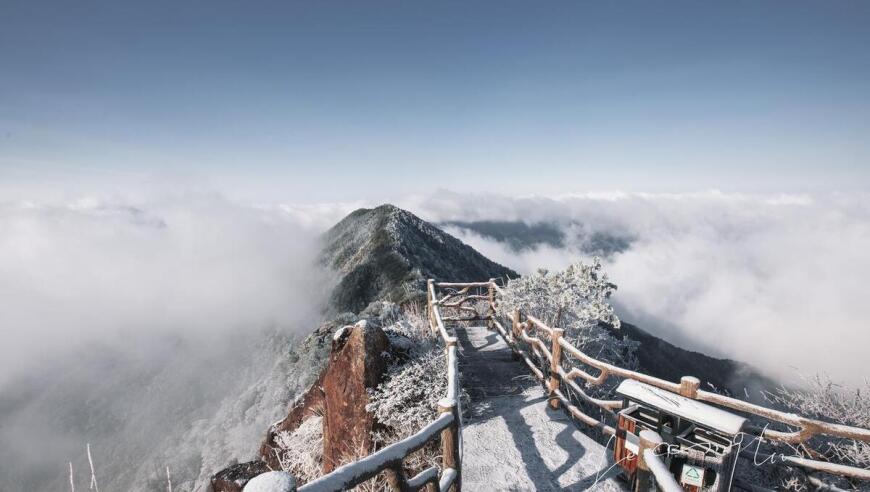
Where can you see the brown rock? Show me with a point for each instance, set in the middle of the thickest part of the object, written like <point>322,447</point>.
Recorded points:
<point>235,477</point>
<point>356,364</point>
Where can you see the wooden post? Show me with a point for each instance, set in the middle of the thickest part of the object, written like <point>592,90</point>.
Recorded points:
<point>645,479</point>
<point>490,309</point>
<point>515,326</point>
<point>430,305</point>
<point>450,442</point>
<point>555,363</point>
<point>396,478</point>
<point>515,332</point>
<point>689,386</point>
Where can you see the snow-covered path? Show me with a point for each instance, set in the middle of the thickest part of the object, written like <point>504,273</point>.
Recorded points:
<point>511,440</point>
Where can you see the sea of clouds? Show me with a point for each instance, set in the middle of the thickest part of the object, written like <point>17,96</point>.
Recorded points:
<point>123,314</point>
<point>775,280</point>
<point>152,327</point>
<point>105,271</point>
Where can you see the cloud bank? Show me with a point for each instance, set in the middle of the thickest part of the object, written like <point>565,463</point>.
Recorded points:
<point>778,281</point>
<point>98,271</point>
<point>143,325</point>
<point>155,328</point>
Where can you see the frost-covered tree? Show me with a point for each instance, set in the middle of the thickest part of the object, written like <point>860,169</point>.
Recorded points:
<point>577,300</point>
<point>572,298</point>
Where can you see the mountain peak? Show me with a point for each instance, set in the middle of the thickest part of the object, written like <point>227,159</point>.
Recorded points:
<point>388,253</point>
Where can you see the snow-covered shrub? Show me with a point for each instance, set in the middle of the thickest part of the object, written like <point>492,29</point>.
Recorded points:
<point>575,297</point>
<point>300,452</point>
<point>406,401</point>
<point>577,300</point>
<point>416,379</point>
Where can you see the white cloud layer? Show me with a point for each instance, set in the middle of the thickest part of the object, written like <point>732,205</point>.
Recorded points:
<point>108,272</point>
<point>778,281</point>
<point>155,327</point>
<point>160,293</point>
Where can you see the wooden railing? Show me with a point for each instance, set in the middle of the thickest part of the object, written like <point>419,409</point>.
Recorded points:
<point>389,460</point>
<point>463,303</point>
<point>525,335</point>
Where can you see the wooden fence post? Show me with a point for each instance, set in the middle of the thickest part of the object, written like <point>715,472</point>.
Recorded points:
<point>645,479</point>
<point>430,305</point>
<point>689,386</point>
<point>396,478</point>
<point>491,308</point>
<point>450,442</point>
<point>515,333</point>
<point>555,363</point>
<point>515,326</point>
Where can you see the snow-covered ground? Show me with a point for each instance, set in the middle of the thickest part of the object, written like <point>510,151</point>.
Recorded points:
<point>511,440</point>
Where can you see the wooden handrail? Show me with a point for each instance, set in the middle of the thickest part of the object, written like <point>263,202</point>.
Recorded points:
<point>688,387</point>
<point>447,426</point>
<point>448,422</point>
<point>352,474</point>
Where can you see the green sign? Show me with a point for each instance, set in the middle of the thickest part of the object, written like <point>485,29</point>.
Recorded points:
<point>692,475</point>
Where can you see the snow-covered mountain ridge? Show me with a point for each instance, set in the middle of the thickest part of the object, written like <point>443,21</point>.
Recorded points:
<point>387,253</point>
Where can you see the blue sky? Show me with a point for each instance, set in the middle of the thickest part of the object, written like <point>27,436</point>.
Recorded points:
<point>342,100</point>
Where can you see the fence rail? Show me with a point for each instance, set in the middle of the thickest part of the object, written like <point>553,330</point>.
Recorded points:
<point>525,340</point>
<point>530,336</point>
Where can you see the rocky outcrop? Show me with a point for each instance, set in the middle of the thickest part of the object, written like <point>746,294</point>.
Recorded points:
<point>234,478</point>
<point>356,364</point>
<point>387,253</point>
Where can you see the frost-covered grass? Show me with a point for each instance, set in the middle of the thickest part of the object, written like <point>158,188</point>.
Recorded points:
<point>300,452</point>
<point>823,399</point>
<point>826,400</point>
<point>402,404</point>
<point>405,401</point>
<point>416,379</point>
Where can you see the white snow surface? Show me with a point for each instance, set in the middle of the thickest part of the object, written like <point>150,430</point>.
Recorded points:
<point>339,333</point>
<point>512,441</point>
<point>273,481</point>
<point>687,408</point>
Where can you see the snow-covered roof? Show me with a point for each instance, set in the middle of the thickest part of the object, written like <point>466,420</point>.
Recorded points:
<point>687,408</point>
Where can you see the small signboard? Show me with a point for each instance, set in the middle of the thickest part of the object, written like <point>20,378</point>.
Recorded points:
<point>692,475</point>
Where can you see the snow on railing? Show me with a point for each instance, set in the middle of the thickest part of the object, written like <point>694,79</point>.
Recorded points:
<point>529,330</point>
<point>449,425</point>
<point>389,459</point>
<point>651,466</point>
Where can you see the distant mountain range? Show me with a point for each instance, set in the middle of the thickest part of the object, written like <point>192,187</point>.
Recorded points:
<point>522,236</point>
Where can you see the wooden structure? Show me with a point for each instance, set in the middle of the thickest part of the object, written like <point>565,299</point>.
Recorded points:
<point>446,428</point>
<point>703,441</point>
<point>558,365</point>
